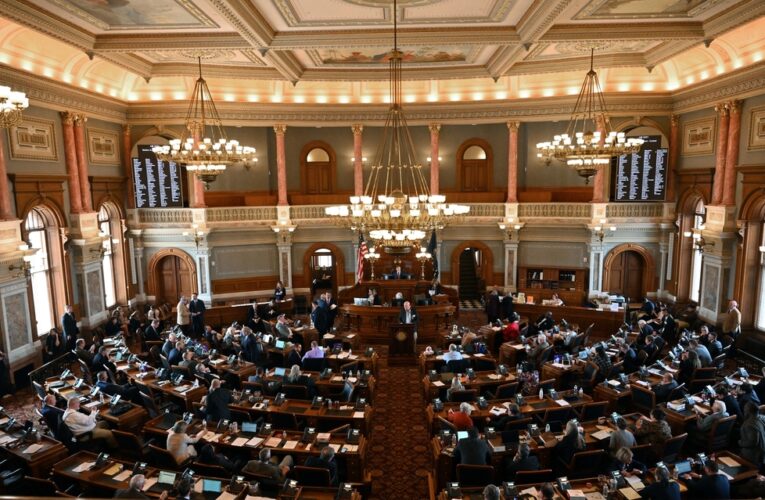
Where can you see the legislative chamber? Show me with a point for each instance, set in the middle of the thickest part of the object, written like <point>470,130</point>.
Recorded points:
<point>382,249</point>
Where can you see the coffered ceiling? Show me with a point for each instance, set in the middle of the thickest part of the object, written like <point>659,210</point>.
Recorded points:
<point>336,51</point>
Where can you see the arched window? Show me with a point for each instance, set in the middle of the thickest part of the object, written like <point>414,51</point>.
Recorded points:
<point>37,238</point>
<point>699,216</point>
<point>759,320</point>
<point>107,262</point>
<point>474,166</point>
<point>317,161</point>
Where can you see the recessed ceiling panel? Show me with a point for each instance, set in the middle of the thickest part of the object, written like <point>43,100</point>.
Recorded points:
<point>411,56</point>
<point>636,9</point>
<point>136,14</point>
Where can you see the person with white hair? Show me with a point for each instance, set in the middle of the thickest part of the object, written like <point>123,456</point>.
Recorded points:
<point>461,419</point>
<point>81,424</point>
<point>535,354</point>
<point>732,325</point>
<point>135,488</point>
<point>719,411</point>
<point>453,354</point>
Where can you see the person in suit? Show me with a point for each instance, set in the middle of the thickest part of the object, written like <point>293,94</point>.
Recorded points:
<point>704,356</point>
<point>295,356</point>
<point>535,354</point>
<point>325,460</point>
<point>665,388</point>
<point>183,316</point>
<point>397,274</point>
<point>492,306</point>
<point>134,489</point>
<point>332,309</point>
<point>654,430</point>
<point>507,306</point>
<point>320,316</point>
<point>732,325</point>
<point>208,456</point>
<point>188,361</point>
<point>472,450</point>
<point>522,460</point>
<point>408,315</point>
<point>185,492</point>
<point>718,411</point>
<point>127,392</point>
<point>251,347</point>
<point>55,345</point>
<point>689,361</point>
<point>630,358</point>
<point>176,355</point>
<point>746,394</point>
<point>152,331</point>
<point>169,344</point>
<point>296,377</point>
<point>216,402</point>
<point>197,311</point>
<point>374,299</point>
<point>282,328</point>
<point>752,435</point>
<point>398,300</point>
<point>101,361</point>
<point>625,463</point>
<point>280,293</point>
<point>113,326</point>
<point>267,466</point>
<point>711,484</point>
<point>69,325</point>
<point>661,488</point>
<point>84,354</point>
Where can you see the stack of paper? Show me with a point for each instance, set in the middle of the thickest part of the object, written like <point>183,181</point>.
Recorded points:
<point>211,437</point>
<point>497,411</point>
<point>562,402</point>
<point>358,414</point>
<point>600,435</point>
<point>239,441</point>
<point>123,476</point>
<point>635,482</point>
<point>254,442</point>
<point>629,493</point>
<point>83,467</point>
<point>273,442</point>
<point>33,449</point>
<point>290,445</point>
<point>150,481</point>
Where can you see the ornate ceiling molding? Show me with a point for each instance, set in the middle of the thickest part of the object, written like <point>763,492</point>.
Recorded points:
<point>580,63</point>
<point>37,19</point>
<point>188,5</point>
<point>740,84</point>
<point>623,32</point>
<point>234,71</point>
<point>145,42</point>
<point>733,17</point>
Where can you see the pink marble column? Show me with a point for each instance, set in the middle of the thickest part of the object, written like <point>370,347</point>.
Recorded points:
<point>358,160</point>
<point>5,192</point>
<point>600,177</point>
<point>281,164</point>
<point>70,153</point>
<point>512,161</point>
<point>435,165</point>
<point>82,162</point>
<point>674,155</point>
<point>722,150</point>
<point>731,154</point>
<point>127,163</point>
<point>196,183</point>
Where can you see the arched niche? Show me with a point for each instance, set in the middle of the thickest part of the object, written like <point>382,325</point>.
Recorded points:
<point>475,165</point>
<point>187,279</point>
<point>648,268</point>
<point>317,168</point>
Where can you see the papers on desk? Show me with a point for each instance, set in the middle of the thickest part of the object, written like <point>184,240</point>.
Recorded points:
<point>601,435</point>
<point>114,469</point>
<point>218,361</point>
<point>558,365</point>
<point>635,482</point>
<point>83,467</point>
<point>358,414</point>
<point>629,493</point>
<point>211,436</point>
<point>655,371</point>
<point>239,442</point>
<point>290,445</point>
<point>198,486</point>
<point>323,437</point>
<point>335,446</point>
<point>676,406</point>
<point>730,478</point>
<point>5,438</point>
<point>226,496</point>
<point>254,442</point>
<point>123,476</point>
<point>614,383</point>
<point>644,383</point>
<point>352,380</point>
<point>33,449</point>
<point>343,355</point>
<point>438,383</point>
<point>497,448</point>
<point>576,495</point>
<point>496,411</point>
<point>350,335</point>
<point>672,370</point>
<point>122,366</point>
<point>182,388</point>
<point>150,481</point>
<point>595,495</point>
<point>3,420</point>
<point>328,336</point>
<point>336,378</point>
<point>479,355</point>
<point>562,402</point>
<point>728,461</point>
<point>494,376</point>
<point>351,448</point>
<point>273,442</point>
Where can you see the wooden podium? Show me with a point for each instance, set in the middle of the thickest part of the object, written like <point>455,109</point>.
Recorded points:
<point>401,344</point>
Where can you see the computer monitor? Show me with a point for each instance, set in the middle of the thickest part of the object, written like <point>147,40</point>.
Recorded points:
<point>250,427</point>
<point>267,338</point>
<point>583,354</point>
<point>166,477</point>
<point>462,435</point>
<point>279,344</point>
<point>683,466</point>
<point>210,486</point>
<point>279,371</point>
<point>360,301</point>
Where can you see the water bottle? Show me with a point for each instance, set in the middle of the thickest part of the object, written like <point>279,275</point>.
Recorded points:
<point>581,392</point>
<point>576,390</point>
<point>541,393</point>
<point>547,428</point>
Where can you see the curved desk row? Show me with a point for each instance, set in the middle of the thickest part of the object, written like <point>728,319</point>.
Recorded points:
<point>372,322</point>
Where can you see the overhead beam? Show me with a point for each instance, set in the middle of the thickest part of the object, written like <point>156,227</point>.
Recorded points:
<point>141,42</point>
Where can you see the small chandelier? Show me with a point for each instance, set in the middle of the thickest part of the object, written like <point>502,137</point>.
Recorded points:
<point>204,147</point>
<point>583,146</point>
<point>397,209</point>
<point>11,105</point>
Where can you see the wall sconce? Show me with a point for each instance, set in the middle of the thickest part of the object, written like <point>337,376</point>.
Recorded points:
<point>363,159</point>
<point>248,164</point>
<point>698,239</point>
<point>284,225</point>
<point>423,256</point>
<point>372,256</point>
<point>430,159</point>
<point>25,268</point>
<point>195,236</point>
<point>510,226</point>
<point>601,230</point>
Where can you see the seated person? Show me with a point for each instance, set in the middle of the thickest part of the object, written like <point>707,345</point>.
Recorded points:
<point>398,300</point>
<point>314,352</point>
<point>461,419</point>
<point>216,402</point>
<point>500,422</point>
<point>152,331</point>
<point>325,460</point>
<point>84,354</point>
<point>81,424</point>
<point>705,423</point>
<point>295,356</point>
<point>621,437</point>
<point>512,331</point>
<point>127,392</point>
<point>453,354</point>
<point>169,344</point>
<point>113,326</point>
<point>467,341</point>
<point>397,274</point>
<point>626,464</point>
<point>555,300</point>
<point>654,430</point>
<point>630,358</point>
<point>710,484</point>
<point>176,355</point>
<point>661,488</point>
<point>207,455</point>
<point>456,386</point>
<point>572,442</point>
<point>295,377</point>
<point>101,361</point>
<point>535,354</point>
<point>523,460</point>
<point>188,361</point>
<point>268,466</point>
<point>178,442</point>
<point>665,387</point>
<point>374,299</point>
<point>704,356</point>
<point>282,327</point>
<point>472,450</point>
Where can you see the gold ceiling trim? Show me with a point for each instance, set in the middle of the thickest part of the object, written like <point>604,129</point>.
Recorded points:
<point>187,5</point>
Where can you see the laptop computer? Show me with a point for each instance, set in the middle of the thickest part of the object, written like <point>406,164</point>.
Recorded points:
<point>279,344</point>
<point>211,486</point>
<point>249,428</point>
<point>279,371</point>
<point>462,435</point>
<point>165,481</point>
<point>683,467</point>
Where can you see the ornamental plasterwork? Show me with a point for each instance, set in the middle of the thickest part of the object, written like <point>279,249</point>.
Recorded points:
<point>600,46</point>
<point>138,14</point>
<point>451,55</point>
<point>554,210</point>
<point>252,214</point>
<point>218,55</point>
<point>641,9</point>
<point>634,210</point>
<point>164,216</point>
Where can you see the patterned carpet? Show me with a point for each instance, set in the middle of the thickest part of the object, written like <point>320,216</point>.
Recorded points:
<point>471,304</point>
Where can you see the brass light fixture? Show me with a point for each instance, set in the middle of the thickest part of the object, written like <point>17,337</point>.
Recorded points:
<point>11,106</point>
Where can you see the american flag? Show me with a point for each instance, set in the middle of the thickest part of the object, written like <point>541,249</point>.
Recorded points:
<point>363,250</point>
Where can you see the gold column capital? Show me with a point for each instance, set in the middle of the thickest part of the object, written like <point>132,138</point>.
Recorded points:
<point>357,128</point>
<point>434,128</point>
<point>513,126</point>
<point>67,117</point>
<point>80,120</point>
<point>722,108</point>
<point>280,128</point>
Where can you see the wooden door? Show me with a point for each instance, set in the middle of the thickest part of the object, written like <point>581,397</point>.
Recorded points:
<point>174,279</point>
<point>318,177</point>
<point>475,175</point>
<point>626,275</point>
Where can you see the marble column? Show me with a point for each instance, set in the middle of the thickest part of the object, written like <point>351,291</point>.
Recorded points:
<point>127,163</point>
<point>722,150</point>
<point>137,254</point>
<point>82,162</point>
<point>281,164</point>
<point>199,191</point>
<point>731,154</point>
<point>358,160</point>
<point>511,264</point>
<point>435,165</point>
<point>5,192</point>
<point>512,161</point>
<point>284,248</point>
<point>674,156</point>
<point>72,171</point>
<point>600,177</point>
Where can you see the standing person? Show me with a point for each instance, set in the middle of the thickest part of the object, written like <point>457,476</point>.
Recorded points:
<point>492,306</point>
<point>71,330</point>
<point>183,316</point>
<point>280,293</point>
<point>752,440</point>
<point>332,309</point>
<point>54,345</point>
<point>732,325</point>
<point>197,311</point>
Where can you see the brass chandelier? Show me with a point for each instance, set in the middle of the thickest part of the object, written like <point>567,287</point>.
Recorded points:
<point>396,209</point>
<point>204,147</point>
<point>584,147</point>
<point>11,106</point>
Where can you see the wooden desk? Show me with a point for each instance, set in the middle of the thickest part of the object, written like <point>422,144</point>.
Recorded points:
<point>331,385</point>
<point>185,398</point>
<point>606,322</point>
<point>483,381</point>
<point>220,317</point>
<point>436,362</point>
<point>37,464</point>
<point>371,322</point>
<point>561,373</point>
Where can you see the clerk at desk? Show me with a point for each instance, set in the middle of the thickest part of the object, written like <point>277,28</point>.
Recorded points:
<point>398,274</point>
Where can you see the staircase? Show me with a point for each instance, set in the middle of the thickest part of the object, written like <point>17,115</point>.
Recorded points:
<point>468,282</point>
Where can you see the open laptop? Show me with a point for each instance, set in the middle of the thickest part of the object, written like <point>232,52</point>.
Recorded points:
<point>250,428</point>
<point>211,488</point>
<point>683,467</point>
<point>279,344</point>
<point>279,371</point>
<point>462,435</point>
<point>165,481</point>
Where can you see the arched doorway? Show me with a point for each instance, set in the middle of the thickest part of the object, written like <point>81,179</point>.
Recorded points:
<point>691,215</point>
<point>172,273</point>
<point>317,162</point>
<point>324,267</point>
<point>750,262</point>
<point>475,160</point>
<point>472,268</point>
<point>629,271</point>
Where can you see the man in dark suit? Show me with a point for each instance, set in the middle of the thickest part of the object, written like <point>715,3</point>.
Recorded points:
<point>169,345</point>
<point>398,274</point>
<point>332,309</point>
<point>711,484</point>
<point>152,331</point>
<point>127,391</point>
<point>523,460</point>
<point>197,310</point>
<point>71,331</point>
<point>325,460</point>
<point>101,361</point>
<point>665,388</point>
<point>84,354</point>
<point>216,402</point>
<point>176,354</point>
<point>492,306</point>
<point>472,450</point>
<point>251,348</point>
